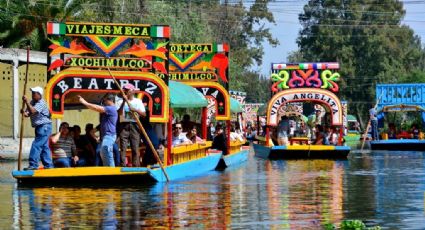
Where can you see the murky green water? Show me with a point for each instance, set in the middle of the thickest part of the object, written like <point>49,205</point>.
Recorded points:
<point>380,188</point>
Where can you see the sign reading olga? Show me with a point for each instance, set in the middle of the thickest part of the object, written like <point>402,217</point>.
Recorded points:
<point>78,81</point>
<point>321,96</point>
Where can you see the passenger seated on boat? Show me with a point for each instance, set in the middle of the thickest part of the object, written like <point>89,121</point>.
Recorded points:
<point>282,131</point>
<point>392,132</point>
<point>332,135</point>
<point>302,131</point>
<point>234,136</point>
<point>320,136</point>
<point>414,131</point>
<point>90,138</point>
<point>251,133</point>
<point>64,151</point>
<point>86,157</point>
<point>179,138</point>
<point>193,137</point>
<point>219,141</point>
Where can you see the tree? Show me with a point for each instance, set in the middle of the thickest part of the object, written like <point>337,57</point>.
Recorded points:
<point>24,21</point>
<point>368,40</point>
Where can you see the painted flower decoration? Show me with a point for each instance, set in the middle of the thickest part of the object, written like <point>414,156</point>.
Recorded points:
<point>56,96</point>
<point>157,100</point>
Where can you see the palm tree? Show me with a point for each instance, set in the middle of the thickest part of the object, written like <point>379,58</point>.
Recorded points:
<point>25,21</point>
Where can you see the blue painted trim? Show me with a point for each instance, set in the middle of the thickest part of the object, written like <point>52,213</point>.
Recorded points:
<point>187,169</point>
<point>138,169</point>
<point>398,141</point>
<point>17,173</point>
<point>236,158</point>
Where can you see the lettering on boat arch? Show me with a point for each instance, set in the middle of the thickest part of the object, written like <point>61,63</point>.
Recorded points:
<point>215,91</point>
<point>321,96</point>
<point>69,81</point>
<point>199,62</point>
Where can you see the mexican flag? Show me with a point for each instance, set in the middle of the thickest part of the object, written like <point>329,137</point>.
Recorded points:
<point>160,31</point>
<point>56,28</point>
<point>220,47</point>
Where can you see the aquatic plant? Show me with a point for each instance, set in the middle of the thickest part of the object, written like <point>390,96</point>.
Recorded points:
<point>350,225</point>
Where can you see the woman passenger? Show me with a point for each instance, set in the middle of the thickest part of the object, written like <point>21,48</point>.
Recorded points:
<point>414,131</point>
<point>64,151</point>
<point>192,136</point>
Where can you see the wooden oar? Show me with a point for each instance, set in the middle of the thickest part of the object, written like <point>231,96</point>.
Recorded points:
<point>368,124</point>
<point>136,118</point>
<point>21,131</point>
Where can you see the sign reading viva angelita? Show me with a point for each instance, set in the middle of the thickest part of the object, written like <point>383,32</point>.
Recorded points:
<point>324,97</point>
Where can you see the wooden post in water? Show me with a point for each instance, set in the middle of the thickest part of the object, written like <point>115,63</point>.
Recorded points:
<point>21,132</point>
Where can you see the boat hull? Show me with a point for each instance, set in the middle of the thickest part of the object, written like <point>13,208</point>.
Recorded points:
<point>302,152</point>
<point>188,169</point>
<point>398,144</point>
<point>116,175</point>
<point>236,158</point>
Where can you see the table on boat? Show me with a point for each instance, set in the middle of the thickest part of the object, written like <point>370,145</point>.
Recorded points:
<point>300,140</point>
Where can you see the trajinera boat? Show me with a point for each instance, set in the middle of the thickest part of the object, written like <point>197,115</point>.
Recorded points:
<point>205,67</point>
<point>293,86</point>
<point>400,106</point>
<point>79,62</point>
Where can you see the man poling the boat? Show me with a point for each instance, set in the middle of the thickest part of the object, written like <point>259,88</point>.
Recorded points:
<point>108,122</point>
<point>39,113</point>
<point>129,131</point>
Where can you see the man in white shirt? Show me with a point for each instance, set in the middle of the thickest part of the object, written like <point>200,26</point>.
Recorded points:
<point>128,129</point>
<point>179,138</point>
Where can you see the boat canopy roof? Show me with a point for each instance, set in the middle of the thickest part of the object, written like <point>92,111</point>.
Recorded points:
<point>235,106</point>
<point>351,118</point>
<point>185,96</point>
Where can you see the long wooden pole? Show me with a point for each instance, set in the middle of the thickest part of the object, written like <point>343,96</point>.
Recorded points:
<point>136,118</point>
<point>368,124</point>
<point>21,131</point>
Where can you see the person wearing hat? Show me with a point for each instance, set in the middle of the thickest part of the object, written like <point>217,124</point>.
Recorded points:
<point>128,130</point>
<point>39,114</point>
<point>108,123</point>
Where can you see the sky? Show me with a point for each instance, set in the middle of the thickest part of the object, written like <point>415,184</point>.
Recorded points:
<point>287,27</point>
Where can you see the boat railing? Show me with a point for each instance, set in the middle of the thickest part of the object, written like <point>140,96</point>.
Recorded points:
<point>236,146</point>
<point>189,152</point>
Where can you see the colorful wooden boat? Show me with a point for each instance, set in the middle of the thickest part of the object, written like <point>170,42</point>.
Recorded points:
<point>204,66</point>
<point>294,83</point>
<point>144,65</point>
<point>400,98</point>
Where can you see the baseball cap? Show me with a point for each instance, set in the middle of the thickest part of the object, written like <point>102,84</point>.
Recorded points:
<point>37,89</point>
<point>128,86</point>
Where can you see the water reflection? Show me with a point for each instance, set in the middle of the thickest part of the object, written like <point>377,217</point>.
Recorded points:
<point>379,188</point>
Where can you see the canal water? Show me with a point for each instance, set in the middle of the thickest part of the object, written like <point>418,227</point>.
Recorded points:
<point>379,188</point>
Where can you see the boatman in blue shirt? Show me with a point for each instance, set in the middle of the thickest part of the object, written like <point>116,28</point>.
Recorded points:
<point>108,124</point>
<point>39,113</point>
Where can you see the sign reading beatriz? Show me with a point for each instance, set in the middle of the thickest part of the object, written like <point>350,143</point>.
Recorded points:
<point>305,75</point>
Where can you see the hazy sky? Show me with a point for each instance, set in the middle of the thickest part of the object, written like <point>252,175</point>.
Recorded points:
<point>287,27</point>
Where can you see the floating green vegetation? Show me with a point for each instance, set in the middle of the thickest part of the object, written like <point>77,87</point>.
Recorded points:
<point>350,225</point>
